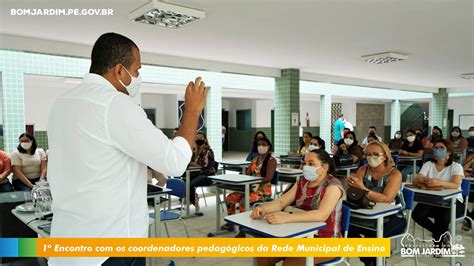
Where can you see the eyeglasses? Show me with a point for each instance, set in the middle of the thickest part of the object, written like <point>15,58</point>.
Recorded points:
<point>374,155</point>
<point>440,147</point>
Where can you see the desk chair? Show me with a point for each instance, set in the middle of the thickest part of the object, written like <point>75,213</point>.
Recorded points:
<point>178,187</point>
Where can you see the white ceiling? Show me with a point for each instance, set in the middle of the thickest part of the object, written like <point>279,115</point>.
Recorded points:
<point>325,37</point>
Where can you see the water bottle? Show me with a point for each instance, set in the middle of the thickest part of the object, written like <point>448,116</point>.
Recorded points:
<point>42,198</point>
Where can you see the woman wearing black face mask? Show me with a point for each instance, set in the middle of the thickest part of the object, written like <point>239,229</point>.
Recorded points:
<point>203,157</point>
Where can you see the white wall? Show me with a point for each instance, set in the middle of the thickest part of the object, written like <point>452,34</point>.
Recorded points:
<point>311,107</point>
<point>240,104</point>
<point>264,113</point>
<point>39,99</point>
<point>153,101</point>
<point>226,104</point>
<point>461,105</point>
<point>166,108</point>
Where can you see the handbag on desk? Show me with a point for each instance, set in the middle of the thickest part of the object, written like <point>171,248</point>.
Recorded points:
<point>357,199</point>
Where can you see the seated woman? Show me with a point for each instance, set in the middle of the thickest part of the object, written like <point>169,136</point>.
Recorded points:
<point>254,151</point>
<point>304,148</point>
<point>352,146</point>
<point>420,134</point>
<point>470,140</point>
<point>203,157</point>
<point>383,183</point>
<point>264,165</point>
<point>442,171</point>
<point>316,143</point>
<point>436,133</point>
<point>5,170</point>
<point>371,137</point>
<point>468,168</point>
<point>28,163</point>
<point>319,193</point>
<point>459,142</point>
<point>397,142</point>
<point>343,156</point>
<point>413,148</point>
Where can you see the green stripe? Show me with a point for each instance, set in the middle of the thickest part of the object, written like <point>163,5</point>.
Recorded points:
<point>27,247</point>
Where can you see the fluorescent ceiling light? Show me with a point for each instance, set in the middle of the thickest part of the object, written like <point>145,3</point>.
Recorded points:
<point>468,76</point>
<point>384,58</point>
<point>166,15</point>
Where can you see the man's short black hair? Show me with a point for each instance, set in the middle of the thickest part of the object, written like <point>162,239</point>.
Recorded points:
<point>109,50</point>
<point>373,127</point>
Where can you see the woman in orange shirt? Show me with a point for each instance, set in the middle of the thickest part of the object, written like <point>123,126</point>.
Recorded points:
<point>5,170</point>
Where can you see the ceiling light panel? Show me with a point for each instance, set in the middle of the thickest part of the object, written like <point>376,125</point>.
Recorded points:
<point>165,14</point>
<point>384,58</point>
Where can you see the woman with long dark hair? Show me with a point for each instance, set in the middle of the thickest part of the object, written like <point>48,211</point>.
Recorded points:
<point>319,194</point>
<point>203,157</point>
<point>254,151</point>
<point>28,163</point>
<point>264,165</point>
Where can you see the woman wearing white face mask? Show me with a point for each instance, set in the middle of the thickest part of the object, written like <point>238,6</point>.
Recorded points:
<point>264,165</point>
<point>459,142</point>
<point>28,163</point>
<point>352,146</point>
<point>470,140</point>
<point>412,147</point>
<point>316,143</point>
<point>319,194</point>
<point>442,171</point>
<point>383,183</point>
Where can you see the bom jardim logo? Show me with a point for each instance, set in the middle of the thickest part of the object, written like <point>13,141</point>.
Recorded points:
<point>414,246</point>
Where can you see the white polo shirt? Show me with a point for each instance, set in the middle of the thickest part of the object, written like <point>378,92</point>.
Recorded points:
<point>100,143</point>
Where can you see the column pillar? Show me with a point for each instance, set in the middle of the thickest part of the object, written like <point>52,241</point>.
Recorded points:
<point>214,120</point>
<point>12,87</point>
<point>287,103</point>
<point>440,110</point>
<point>325,120</point>
<point>395,117</point>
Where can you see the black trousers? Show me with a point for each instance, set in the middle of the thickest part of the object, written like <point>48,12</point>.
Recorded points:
<point>197,180</point>
<point>441,216</point>
<point>393,225</point>
<point>113,261</point>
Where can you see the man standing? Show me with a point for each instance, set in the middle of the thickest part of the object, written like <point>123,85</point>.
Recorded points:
<point>338,128</point>
<point>100,144</point>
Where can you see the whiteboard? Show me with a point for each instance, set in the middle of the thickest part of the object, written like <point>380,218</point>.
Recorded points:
<point>466,121</point>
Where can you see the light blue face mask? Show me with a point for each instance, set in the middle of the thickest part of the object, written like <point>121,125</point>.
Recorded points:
<point>309,172</point>
<point>440,154</point>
